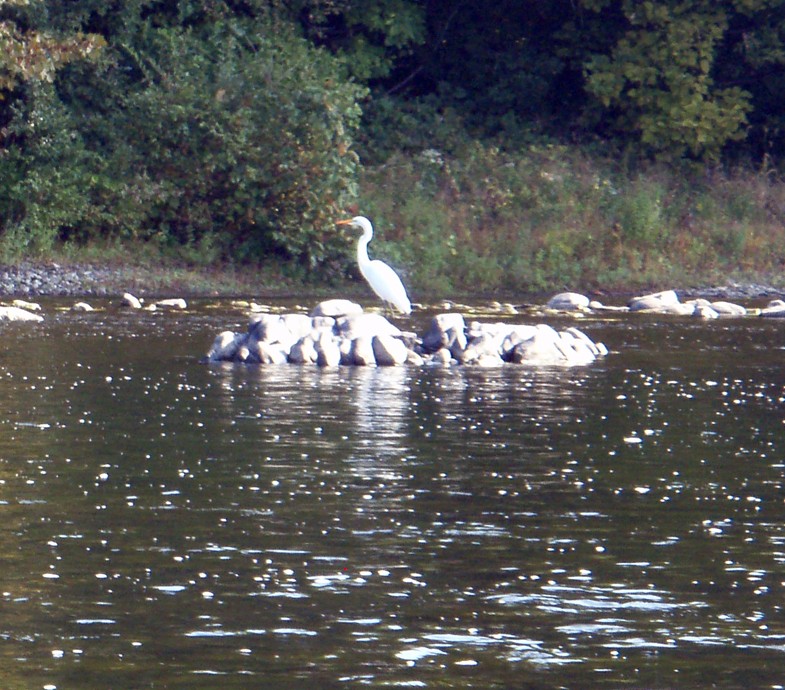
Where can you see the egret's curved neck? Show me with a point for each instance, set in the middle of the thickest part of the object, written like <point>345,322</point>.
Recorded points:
<point>362,246</point>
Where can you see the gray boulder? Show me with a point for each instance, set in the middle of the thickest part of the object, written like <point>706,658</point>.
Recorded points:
<point>568,301</point>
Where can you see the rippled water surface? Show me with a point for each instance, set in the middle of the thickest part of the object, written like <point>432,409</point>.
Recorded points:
<point>169,524</point>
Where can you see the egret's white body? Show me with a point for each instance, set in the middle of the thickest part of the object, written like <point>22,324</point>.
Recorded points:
<point>382,279</point>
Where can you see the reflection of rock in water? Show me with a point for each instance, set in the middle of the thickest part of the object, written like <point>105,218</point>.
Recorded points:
<point>381,397</point>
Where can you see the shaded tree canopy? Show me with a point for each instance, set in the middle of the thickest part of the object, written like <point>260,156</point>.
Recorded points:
<point>232,125</point>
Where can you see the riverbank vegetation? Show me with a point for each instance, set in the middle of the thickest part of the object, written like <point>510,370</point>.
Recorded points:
<point>496,146</point>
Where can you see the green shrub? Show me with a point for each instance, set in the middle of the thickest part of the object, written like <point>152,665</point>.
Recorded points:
<point>237,142</point>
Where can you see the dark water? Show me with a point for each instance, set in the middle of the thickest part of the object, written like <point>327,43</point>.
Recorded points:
<point>167,524</point>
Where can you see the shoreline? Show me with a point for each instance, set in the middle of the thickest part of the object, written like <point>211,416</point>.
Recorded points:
<point>81,279</point>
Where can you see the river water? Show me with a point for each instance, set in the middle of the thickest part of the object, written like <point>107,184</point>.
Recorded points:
<point>169,524</point>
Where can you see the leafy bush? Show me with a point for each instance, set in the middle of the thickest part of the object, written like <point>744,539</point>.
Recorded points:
<point>236,141</point>
<point>46,184</point>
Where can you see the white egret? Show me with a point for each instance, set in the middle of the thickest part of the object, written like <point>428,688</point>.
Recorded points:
<point>382,279</point>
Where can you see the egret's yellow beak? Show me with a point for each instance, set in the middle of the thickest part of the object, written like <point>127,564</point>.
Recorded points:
<point>348,221</point>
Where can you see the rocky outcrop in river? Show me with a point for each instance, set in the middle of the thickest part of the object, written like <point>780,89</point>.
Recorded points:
<point>340,332</point>
<point>664,302</point>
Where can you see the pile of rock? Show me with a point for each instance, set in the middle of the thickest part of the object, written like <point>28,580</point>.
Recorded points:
<point>340,332</point>
<point>665,302</point>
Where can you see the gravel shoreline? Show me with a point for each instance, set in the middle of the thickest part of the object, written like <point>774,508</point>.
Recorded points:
<point>29,279</point>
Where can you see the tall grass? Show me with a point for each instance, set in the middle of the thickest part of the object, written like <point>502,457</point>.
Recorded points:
<point>556,217</point>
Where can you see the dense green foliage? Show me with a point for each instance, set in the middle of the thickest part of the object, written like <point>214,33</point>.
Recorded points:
<point>241,130</point>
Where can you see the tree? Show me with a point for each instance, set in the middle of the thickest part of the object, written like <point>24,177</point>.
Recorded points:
<point>656,82</point>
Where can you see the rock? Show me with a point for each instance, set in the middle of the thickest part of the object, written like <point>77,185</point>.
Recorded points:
<point>484,345</point>
<point>269,353</point>
<point>728,309</point>
<point>362,352</point>
<point>81,306</point>
<point>413,358</point>
<point>597,349</point>
<point>370,339</point>
<point>337,307</point>
<point>656,301</point>
<point>568,301</point>
<point>269,328</point>
<point>594,305</point>
<point>389,351</point>
<point>303,351</point>
<point>328,352</point>
<point>441,357</point>
<point>456,342</point>
<point>224,347</point>
<point>29,306</point>
<point>322,323</point>
<point>549,347</point>
<point>705,311</point>
<point>774,309</point>
<point>18,314</point>
<point>130,301</point>
<point>436,336</point>
<point>365,325</point>
<point>488,360</point>
<point>173,303</point>
<point>299,325</point>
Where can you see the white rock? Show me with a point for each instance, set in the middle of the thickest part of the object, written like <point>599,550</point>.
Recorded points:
<point>728,309</point>
<point>389,351</point>
<point>548,347</point>
<point>18,314</point>
<point>270,328</point>
<point>656,301</point>
<point>173,303</point>
<point>484,345</point>
<point>269,353</point>
<point>299,325</point>
<point>488,360</point>
<point>323,323</point>
<point>130,301</point>
<point>414,359</point>
<point>436,336</point>
<point>597,349</point>
<point>595,305</point>
<point>568,301</point>
<point>24,304</point>
<point>704,311</point>
<point>225,346</point>
<point>365,325</point>
<point>336,308</point>
<point>328,352</point>
<point>81,306</point>
<point>362,352</point>
<point>441,357</point>
<point>303,351</point>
